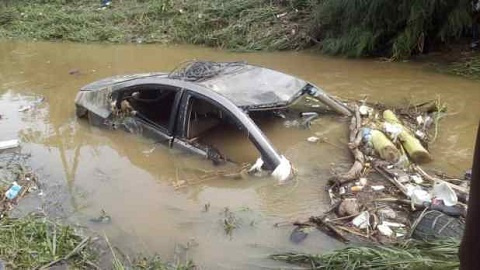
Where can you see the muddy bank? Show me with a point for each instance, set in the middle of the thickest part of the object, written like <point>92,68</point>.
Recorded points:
<point>89,169</point>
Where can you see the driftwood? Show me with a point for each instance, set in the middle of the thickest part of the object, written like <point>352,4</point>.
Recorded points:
<point>322,224</point>
<point>349,230</point>
<point>382,171</point>
<point>394,200</point>
<point>323,216</point>
<point>412,145</point>
<point>355,139</point>
<point>384,147</point>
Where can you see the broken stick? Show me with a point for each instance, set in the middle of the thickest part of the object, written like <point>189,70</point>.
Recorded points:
<point>381,170</point>
<point>355,139</point>
<point>435,179</point>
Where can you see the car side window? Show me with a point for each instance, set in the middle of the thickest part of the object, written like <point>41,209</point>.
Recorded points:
<point>151,103</point>
<point>210,127</point>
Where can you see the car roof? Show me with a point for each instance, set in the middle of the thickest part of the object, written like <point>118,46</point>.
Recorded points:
<point>247,86</point>
<point>253,86</point>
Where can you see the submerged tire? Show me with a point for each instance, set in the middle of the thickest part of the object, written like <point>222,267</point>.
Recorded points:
<point>437,225</point>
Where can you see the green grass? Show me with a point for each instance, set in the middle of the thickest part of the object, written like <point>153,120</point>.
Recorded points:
<point>440,254</point>
<point>233,24</point>
<point>33,242</point>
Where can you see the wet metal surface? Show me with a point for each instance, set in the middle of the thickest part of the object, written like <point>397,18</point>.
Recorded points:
<point>84,169</point>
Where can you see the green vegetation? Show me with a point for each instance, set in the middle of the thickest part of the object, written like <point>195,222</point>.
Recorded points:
<point>146,263</point>
<point>395,29</point>
<point>354,28</point>
<point>468,67</point>
<point>33,242</point>
<point>240,25</point>
<point>441,254</point>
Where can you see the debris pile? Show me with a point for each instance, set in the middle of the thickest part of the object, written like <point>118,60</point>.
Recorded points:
<point>15,180</point>
<point>386,196</point>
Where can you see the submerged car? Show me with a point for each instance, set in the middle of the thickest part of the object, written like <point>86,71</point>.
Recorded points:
<point>179,107</point>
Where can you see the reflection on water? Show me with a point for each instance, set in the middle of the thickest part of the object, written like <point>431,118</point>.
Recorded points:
<point>86,169</point>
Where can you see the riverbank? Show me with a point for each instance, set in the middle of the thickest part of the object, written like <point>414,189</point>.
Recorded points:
<point>247,25</point>
<point>58,245</point>
<point>37,241</point>
<point>240,25</point>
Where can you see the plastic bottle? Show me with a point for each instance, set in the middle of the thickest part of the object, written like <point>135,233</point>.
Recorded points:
<point>13,191</point>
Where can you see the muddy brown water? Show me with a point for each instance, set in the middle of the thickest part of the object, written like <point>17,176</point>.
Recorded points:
<point>85,169</point>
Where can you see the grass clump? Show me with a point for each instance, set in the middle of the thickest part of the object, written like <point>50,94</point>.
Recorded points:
<point>440,254</point>
<point>240,25</point>
<point>157,263</point>
<point>468,67</point>
<point>145,263</point>
<point>34,242</point>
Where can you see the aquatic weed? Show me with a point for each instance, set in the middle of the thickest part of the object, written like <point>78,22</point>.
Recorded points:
<point>230,221</point>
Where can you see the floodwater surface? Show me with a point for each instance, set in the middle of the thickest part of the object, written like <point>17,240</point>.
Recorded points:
<point>171,203</point>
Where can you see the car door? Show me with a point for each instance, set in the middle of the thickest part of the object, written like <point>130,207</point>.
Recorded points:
<point>183,139</point>
<point>211,112</point>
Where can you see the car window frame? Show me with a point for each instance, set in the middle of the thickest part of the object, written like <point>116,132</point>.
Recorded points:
<point>172,122</point>
<point>183,117</point>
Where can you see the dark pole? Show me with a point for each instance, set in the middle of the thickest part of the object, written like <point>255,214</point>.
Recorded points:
<point>469,252</point>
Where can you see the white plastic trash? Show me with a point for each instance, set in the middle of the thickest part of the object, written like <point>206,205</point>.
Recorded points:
<point>362,221</point>
<point>393,130</point>
<point>393,224</point>
<point>257,166</point>
<point>420,120</point>
<point>9,144</point>
<point>313,139</point>
<point>385,230</point>
<point>387,212</point>
<point>420,134</point>
<point>416,178</point>
<point>442,191</point>
<point>378,188</point>
<point>403,178</point>
<point>410,188</point>
<point>362,181</point>
<point>420,196</point>
<point>365,110</point>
